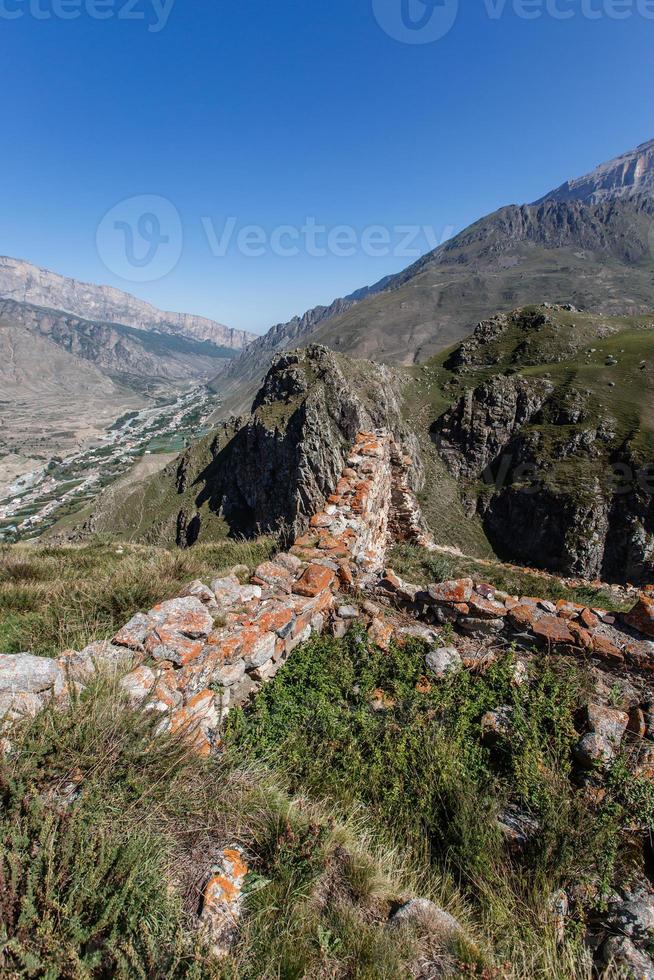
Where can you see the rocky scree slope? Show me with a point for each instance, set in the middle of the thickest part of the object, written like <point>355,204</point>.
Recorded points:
<point>550,435</point>
<point>269,470</point>
<point>590,246</point>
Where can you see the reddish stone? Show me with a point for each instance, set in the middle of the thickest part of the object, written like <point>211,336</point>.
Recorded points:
<point>345,576</point>
<point>314,579</point>
<point>522,617</point>
<point>459,590</point>
<point>307,554</point>
<point>257,646</point>
<point>230,646</point>
<point>186,615</point>
<point>639,655</point>
<point>268,573</point>
<point>637,724</point>
<point>589,619</point>
<point>321,520</point>
<point>552,630</point>
<point>306,541</point>
<point>275,620</point>
<point>581,635</point>
<point>606,649</point>
<point>462,607</point>
<point>641,617</point>
<point>486,608</point>
<point>167,644</point>
<point>381,634</point>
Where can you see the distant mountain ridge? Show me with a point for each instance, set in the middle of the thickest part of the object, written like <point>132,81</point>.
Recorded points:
<point>26,283</point>
<point>588,243</point>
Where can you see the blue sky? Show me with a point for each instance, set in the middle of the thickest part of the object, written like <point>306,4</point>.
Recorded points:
<point>272,113</point>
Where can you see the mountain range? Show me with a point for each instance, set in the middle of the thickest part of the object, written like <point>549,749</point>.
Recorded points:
<point>591,258</point>
<point>589,243</point>
<point>74,357</point>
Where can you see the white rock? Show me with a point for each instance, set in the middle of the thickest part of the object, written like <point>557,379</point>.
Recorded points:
<point>25,672</point>
<point>445,660</point>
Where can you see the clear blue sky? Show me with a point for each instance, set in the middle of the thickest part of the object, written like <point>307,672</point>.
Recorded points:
<point>271,112</point>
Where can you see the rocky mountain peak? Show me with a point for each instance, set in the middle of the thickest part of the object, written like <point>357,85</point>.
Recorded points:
<point>630,174</point>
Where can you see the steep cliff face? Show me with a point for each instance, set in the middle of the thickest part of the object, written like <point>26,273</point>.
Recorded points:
<point>552,439</point>
<point>272,469</point>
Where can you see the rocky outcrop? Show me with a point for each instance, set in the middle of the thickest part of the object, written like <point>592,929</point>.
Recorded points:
<point>472,434</point>
<point>277,467</point>
<point>558,469</point>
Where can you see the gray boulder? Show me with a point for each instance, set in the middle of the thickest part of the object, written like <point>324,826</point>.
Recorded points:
<point>621,952</point>
<point>27,673</point>
<point>443,661</point>
<point>427,916</point>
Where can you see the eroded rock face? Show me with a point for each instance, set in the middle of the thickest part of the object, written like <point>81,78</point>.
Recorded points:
<point>475,431</point>
<point>277,467</point>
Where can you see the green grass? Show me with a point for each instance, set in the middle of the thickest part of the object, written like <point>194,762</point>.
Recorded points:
<point>424,567</point>
<point>434,789</point>
<point>107,882</point>
<point>52,599</point>
<point>558,350</point>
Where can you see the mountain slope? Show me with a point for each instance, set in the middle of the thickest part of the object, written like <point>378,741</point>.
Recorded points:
<point>51,401</point>
<point>629,174</point>
<point>27,283</point>
<point>544,420</point>
<point>596,255</point>
<point>115,348</point>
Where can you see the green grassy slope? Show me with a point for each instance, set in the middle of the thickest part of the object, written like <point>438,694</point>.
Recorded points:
<point>572,350</point>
